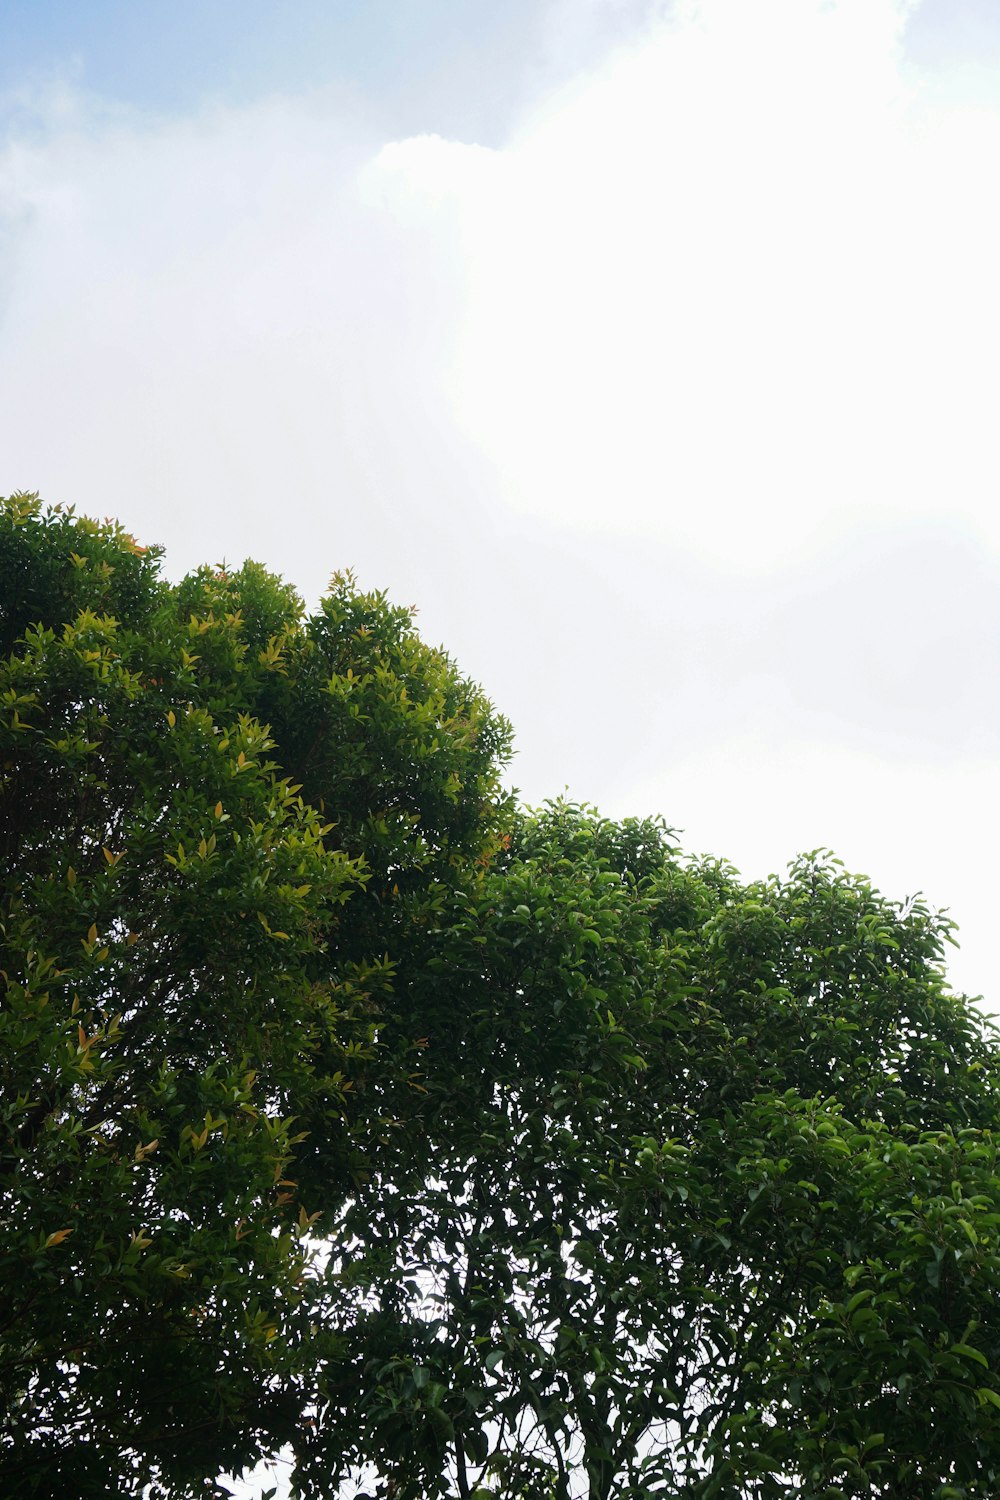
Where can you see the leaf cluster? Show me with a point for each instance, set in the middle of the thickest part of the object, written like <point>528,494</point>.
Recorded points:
<point>182,995</point>
<point>686,1188</point>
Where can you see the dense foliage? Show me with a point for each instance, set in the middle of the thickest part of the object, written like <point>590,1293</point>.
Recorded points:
<point>701,1198</point>
<point>463,1151</point>
<point>182,990</point>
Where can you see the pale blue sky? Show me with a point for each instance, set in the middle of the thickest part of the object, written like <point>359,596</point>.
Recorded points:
<point>454,66</point>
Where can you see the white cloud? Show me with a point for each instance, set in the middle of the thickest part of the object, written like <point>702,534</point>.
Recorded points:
<point>732,289</point>
<point>207,331</point>
<point>644,408</point>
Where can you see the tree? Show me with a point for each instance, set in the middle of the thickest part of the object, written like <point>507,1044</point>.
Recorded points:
<point>180,988</point>
<point>701,1198</point>
<point>496,1153</point>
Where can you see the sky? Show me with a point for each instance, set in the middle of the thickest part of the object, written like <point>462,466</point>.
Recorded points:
<point>649,349</point>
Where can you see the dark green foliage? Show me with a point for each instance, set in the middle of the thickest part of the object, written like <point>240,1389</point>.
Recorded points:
<point>698,1198</point>
<point>467,1153</point>
<point>180,996</point>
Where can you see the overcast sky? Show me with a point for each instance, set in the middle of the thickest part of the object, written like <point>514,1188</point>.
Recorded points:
<point>650,349</point>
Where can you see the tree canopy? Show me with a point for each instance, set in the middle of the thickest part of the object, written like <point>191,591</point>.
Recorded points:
<point>349,1109</point>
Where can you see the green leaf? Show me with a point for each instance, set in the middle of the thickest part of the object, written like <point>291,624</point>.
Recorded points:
<point>968,1352</point>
